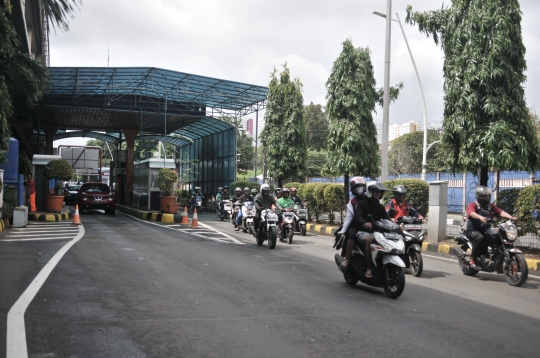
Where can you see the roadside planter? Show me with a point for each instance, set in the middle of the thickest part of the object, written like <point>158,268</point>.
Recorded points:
<point>60,170</point>
<point>167,177</point>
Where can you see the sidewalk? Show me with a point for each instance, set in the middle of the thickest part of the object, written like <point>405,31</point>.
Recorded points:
<point>440,248</point>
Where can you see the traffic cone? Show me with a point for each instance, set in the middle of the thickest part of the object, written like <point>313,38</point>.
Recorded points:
<point>185,220</point>
<point>76,218</point>
<point>194,221</point>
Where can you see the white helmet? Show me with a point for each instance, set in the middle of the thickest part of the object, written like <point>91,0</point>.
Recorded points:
<point>375,185</point>
<point>265,189</point>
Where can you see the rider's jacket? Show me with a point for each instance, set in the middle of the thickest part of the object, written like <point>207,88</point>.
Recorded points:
<point>403,209</point>
<point>196,194</point>
<point>365,207</point>
<point>245,198</point>
<point>482,210</point>
<point>235,198</point>
<point>351,209</point>
<point>296,199</point>
<point>285,202</point>
<point>222,196</point>
<point>266,202</point>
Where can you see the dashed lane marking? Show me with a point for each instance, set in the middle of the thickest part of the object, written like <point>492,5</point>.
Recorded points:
<point>41,231</point>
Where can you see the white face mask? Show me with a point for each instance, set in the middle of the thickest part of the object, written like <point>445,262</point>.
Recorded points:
<point>358,191</point>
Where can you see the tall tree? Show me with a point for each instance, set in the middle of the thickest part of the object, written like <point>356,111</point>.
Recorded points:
<point>486,120</point>
<point>284,133</point>
<point>316,126</point>
<point>405,156</point>
<point>351,98</point>
<point>105,153</point>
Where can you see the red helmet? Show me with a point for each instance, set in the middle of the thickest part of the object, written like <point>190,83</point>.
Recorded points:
<point>293,190</point>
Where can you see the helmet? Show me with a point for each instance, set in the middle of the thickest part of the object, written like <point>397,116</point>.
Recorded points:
<point>481,195</point>
<point>277,190</point>
<point>400,192</point>
<point>197,188</point>
<point>237,190</point>
<point>358,186</point>
<point>265,189</point>
<point>375,185</point>
<point>293,191</point>
<point>285,191</point>
<point>226,187</point>
<point>278,193</point>
<point>220,189</point>
<point>246,190</point>
<point>254,191</point>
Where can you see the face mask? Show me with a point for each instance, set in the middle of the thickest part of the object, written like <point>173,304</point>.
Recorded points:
<point>358,191</point>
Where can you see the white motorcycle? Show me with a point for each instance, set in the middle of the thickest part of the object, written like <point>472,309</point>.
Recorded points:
<point>248,214</point>
<point>287,228</point>
<point>227,210</point>
<point>300,220</point>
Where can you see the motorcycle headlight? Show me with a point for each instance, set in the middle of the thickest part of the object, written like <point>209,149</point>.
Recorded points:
<point>512,235</point>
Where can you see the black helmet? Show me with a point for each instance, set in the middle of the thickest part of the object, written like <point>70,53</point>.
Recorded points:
<point>482,193</point>
<point>357,185</point>
<point>254,191</point>
<point>277,190</point>
<point>400,193</point>
<point>265,189</point>
<point>226,187</point>
<point>375,185</point>
<point>285,191</point>
<point>246,190</point>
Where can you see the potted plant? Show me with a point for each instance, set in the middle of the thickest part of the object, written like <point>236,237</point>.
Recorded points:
<point>166,179</point>
<point>58,169</point>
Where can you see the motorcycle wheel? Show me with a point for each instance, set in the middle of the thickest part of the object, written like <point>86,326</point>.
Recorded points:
<point>289,235</point>
<point>395,284</point>
<point>260,240</point>
<point>303,229</point>
<point>417,264</point>
<point>516,271</point>
<point>350,281</point>
<point>272,237</point>
<point>462,262</point>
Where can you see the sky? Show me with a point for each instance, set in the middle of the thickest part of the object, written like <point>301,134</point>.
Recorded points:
<point>244,40</point>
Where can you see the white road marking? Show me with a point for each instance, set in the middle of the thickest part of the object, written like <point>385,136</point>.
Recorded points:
<point>16,332</point>
<point>41,239</point>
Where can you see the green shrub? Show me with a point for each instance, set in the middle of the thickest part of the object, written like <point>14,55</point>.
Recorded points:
<point>58,169</point>
<point>507,199</point>
<point>417,193</point>
<point>10,202</point>
<point>166,179</point>
<point>322,205</point>
<point>333,197</point>
<point>292,184</point>
<point>528,204</point>
<point>308,195</point>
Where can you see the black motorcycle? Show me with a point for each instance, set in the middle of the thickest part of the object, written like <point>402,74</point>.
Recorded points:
<point>267,227</point>
<point>387,266</point>
<point>501,257</point>
<point>414,236</point>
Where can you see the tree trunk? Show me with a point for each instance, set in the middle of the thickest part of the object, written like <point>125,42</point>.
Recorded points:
<point>346,187</point>
<point>483,176</point>
<point>279,183</point>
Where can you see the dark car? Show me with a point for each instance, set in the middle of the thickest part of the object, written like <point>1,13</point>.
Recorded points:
<point>96,196</point>
<point>71,194</point>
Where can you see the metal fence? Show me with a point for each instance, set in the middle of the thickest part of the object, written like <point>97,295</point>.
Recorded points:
<point>461,191</point>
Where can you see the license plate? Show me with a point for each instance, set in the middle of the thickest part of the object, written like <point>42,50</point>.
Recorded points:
<point>413,226</point>
<point>97,201</point>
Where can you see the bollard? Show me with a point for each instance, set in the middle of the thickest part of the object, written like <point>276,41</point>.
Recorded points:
<point>438,211</point>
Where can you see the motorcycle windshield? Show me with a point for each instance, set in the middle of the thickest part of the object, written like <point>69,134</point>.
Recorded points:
<point>249,205</point>
<point>388,225</point>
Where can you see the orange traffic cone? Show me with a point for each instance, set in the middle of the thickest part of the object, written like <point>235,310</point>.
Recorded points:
<point>194,221</point>
<point>76,218</point>
<point>185,220</point>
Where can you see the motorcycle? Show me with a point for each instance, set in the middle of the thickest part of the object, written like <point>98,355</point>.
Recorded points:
<point>248,213</point>
<point>227,210</point>
<point>287,228</point>
<point>414,236</point>
<point>387,267</point>
<point>197,203</point>
<point>267,228</point>
<point>237,206</point>
<point>501,257</point>
<point>300,220</point>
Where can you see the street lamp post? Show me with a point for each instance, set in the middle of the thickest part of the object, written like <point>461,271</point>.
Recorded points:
<point>424,147</point>
<point>386,95</point>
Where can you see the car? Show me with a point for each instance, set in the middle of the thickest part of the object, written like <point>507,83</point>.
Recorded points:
<point>96,196</point>
<point>71,194</point>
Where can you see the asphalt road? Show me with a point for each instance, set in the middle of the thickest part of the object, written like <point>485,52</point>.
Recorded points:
<point>135,289</point>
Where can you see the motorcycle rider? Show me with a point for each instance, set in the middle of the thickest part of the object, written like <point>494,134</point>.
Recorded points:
<point>399,207</point>
<point>277,193</point>
<point>478,213</point>
<point>284,202</point>
<point>254,192</point>
<point>224,195</point>
<point>295,198</point>
<point>243,199</point>
<point>358,188</point>
<point>196,193</point>
<point>369,205</point>
<point>263,201</point>
<point>236,198</point>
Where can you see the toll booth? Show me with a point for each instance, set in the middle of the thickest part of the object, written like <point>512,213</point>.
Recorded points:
<point>39,161</point>
<point>146,190</point>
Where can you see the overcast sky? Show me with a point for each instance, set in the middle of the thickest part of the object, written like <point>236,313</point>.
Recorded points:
<point>243,41</point>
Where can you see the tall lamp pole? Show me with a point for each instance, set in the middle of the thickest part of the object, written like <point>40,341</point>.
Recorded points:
<point>424,147</point>
<point>386,95</point>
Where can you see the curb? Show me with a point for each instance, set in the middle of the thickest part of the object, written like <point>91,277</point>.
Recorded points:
<point>50,217</point>
<point>147,215</point>
<point>533,264</point>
